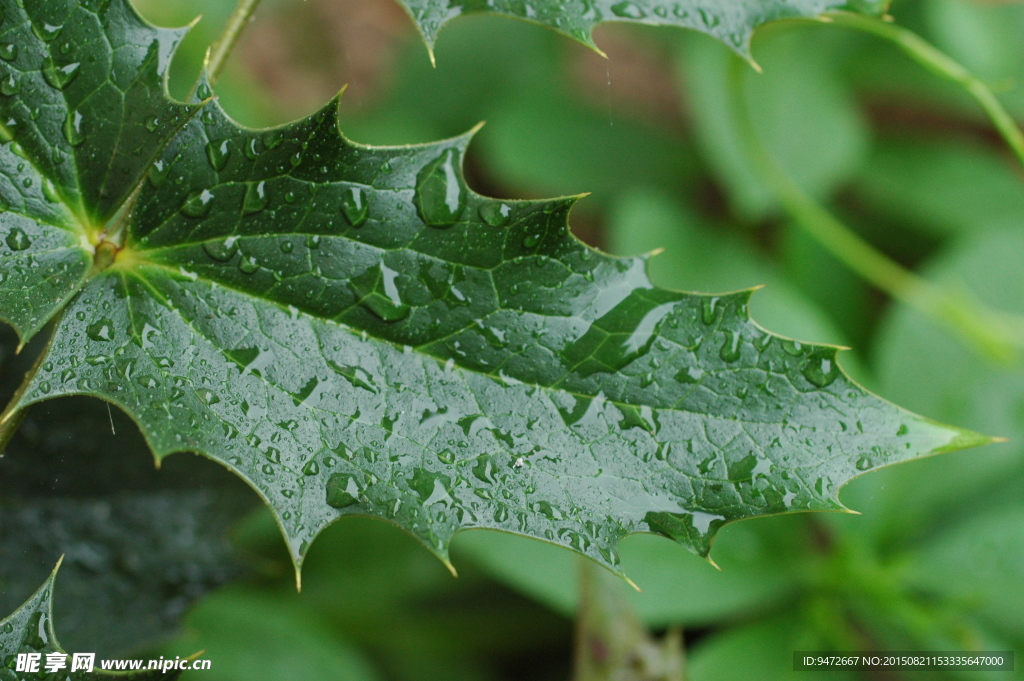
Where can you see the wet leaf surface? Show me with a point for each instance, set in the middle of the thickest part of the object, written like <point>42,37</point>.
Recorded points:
<point>353,331</point>
<point>731,22</point>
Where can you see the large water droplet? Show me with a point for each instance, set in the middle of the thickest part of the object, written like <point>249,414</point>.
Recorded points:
<point>628,10</point>
<point>710,19</point>
<point>821,370</point>
<point>248,264</point>
<point>342,491</point>
<point>50,191</point>
<point>46,32</point>
<point>8,51</point>
<point>158,173</point>
<point>709,309</point>
<point>354,206</point>
<point>439,197</point>
<point>221,249</point>
<point>690,375</point>
<point>73,128</point>
<point>217,151</point>
<point>496,214</point>
<point>389,307</point>
<point>17,239</point>
<point>731,346</point>
<point>198,204</point>
<point>59,76</point>
<point>256,197</point>
<point>10,84</point>
<point>102,330</point>
<point>251,149</point>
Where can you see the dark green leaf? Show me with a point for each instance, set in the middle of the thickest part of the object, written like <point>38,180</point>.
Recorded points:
<point>30,630</point>
<point>731,22</point>
<point>79,149</point>
<point>354,331</point>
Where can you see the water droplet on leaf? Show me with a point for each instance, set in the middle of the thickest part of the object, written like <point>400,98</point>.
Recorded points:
<point>439,197</point>
<point>354,206</point>
<point>217,151</point>
<point>496,214</point>
<point>59,76</point>
<point>255,197</point>
<point>17,239</point>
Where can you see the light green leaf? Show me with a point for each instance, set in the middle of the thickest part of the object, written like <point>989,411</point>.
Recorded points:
<point>253,633</point>
<point>942,187</point>
<point>353,331</point>
<point>762,651</point>
<point>30,630</point>
<point>802,109</point>
<point>733,23</point>
<point>762,564</point>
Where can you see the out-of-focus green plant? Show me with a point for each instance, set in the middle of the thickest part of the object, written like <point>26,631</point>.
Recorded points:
<point>903,161</point>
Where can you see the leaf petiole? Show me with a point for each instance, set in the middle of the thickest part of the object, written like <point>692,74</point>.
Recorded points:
<point>221,49</point>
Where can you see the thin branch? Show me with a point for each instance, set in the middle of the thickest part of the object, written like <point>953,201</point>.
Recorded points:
<point>941,65</point>
<point>995,335</point>
<point>221,49</point>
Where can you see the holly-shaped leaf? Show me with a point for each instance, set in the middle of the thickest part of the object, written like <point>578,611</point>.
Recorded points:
<point>731,21</point>
<point>29,631</point>
<point>353,331</point>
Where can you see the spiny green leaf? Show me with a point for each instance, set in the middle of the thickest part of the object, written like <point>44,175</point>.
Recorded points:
<point>731,21</point>
<point>353,331</point>
<point>30,630</point>
<point>82,95</point>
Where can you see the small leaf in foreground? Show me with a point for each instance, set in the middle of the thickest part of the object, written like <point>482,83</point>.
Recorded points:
<point>30,631</point>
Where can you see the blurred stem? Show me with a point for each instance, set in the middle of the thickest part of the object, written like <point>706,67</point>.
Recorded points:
<point>997,336</point>
<point>221,49</point>
<point>941,65</point>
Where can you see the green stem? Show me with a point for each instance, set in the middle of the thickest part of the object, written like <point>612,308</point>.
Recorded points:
<point>941,65</point>
<point>221,49</point>
<point>9,426</point>
<point>996,336</point>
<point>14,414</point>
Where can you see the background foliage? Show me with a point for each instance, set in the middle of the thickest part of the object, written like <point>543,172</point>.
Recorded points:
<point>934,562</point>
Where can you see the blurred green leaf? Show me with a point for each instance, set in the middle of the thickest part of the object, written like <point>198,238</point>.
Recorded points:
<point>252,634</point>
<point>942,186</point>
<point>759,652</point>
<point>139,544</point>
<point>562,148</point>
<point>976,562</point>
<point>802,109</point>
<point>761,564</point>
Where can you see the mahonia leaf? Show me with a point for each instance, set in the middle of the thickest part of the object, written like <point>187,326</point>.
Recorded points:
<point>30,630</point>
<point>732,21</point>
<point>82,93</point>
<point>353,331</point>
